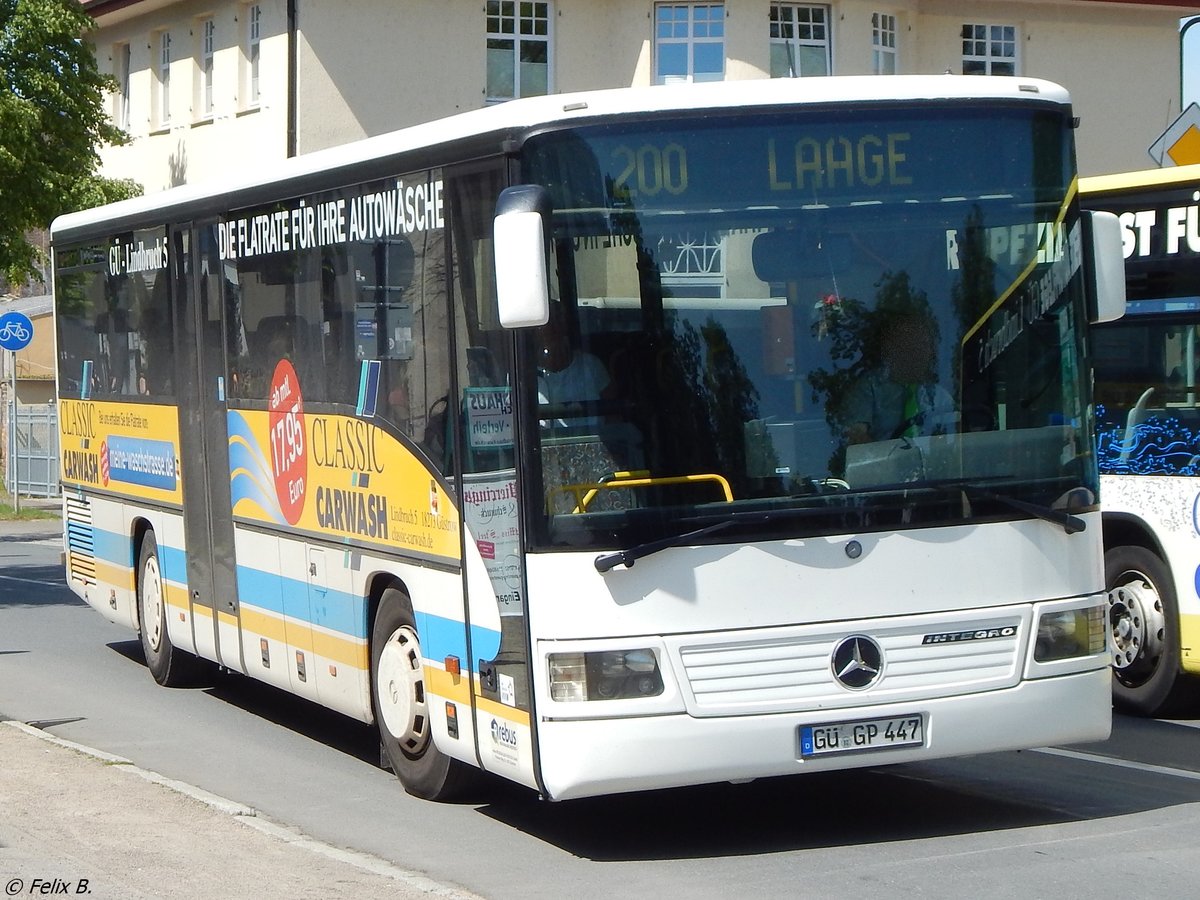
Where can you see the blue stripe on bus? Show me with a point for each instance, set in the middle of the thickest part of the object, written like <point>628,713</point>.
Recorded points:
<point>336,611</point>
<point>344,613</point>
<point>117,549</point>
<point>174,564</point>
<point>112,547</point>
<point>446,637</point>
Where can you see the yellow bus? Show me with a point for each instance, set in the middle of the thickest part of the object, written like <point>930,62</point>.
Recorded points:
<point>1149,438</point>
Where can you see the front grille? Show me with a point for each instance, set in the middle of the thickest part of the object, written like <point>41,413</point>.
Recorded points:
<point>783,672</point>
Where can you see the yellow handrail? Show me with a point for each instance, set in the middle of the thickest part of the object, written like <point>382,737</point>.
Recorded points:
<point>585,493</point>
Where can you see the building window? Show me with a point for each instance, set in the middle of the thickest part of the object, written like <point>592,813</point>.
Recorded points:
<point>121,57</point>
<point>162,81</point>
<point>989,49</point>
<point>883,43</point>
<point>800,44</point>
<point>204,88</point>
<point>250,48</point>
<point>518,49</point>
<point>689,42</point>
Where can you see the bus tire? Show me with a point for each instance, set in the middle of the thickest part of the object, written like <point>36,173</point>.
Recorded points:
<point>170,666</point>
<point>1144,622</point>
<point>400,704</point>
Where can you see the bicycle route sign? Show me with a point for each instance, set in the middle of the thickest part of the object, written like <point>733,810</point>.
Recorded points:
<point>16,331</point>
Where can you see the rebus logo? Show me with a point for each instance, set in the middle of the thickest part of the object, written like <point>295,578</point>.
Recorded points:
<point>503,734</point>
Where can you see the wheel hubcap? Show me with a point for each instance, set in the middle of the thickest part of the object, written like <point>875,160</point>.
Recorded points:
<point>152,604</point>
<point>400,688</point>
<point>1135,615</point>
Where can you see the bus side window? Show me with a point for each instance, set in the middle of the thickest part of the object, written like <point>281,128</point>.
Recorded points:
<point>481,367</point>
<point>283,337</point>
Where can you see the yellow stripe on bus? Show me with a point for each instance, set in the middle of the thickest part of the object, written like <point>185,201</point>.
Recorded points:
<point>347,651</point>
<point>1021,278</point>
<point>511,713</point>
<point>344,650</point>
<point>1189,637</point>
<point>176,597</point>
<point>451,687</point>
<point>1125,181</point>
<point>117,576</point>
<point>455,688</point>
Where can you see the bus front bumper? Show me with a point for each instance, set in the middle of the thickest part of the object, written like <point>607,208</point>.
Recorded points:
<point>582,758</point>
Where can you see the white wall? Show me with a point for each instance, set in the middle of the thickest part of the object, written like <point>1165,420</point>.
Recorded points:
<point>192,148</point>
<point>1120,63</point>
<point>370,66</point>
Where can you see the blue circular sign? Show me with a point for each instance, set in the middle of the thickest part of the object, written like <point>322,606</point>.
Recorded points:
<point>16,331</point>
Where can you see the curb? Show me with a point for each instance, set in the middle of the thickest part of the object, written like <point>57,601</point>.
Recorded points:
<point>249,817</point>
<point>120,763</point>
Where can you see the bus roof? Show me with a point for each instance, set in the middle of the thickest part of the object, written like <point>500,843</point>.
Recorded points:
<point>514,118</point>
<point>1134,181</point>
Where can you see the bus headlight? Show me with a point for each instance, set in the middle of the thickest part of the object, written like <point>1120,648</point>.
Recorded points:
<point>1068,633</point>
<point>604,675</point>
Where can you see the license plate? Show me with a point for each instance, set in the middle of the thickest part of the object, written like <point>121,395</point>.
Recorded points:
<point>863,734</point>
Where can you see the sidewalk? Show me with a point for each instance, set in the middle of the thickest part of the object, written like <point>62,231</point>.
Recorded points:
<point>102,827</point>
<point>34,529</point>
<point>78,821</point>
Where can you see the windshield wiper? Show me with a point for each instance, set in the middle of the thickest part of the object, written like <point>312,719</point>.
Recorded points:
<point>1069,523</point>
<point>608,561</point>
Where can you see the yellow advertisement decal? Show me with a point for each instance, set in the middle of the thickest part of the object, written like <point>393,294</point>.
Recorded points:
<point>129,448</point>
<point>340,476</point>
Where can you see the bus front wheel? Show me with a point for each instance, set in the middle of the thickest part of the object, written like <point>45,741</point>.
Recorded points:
<point>170,666</point>
<point>401,705</point>
<point>1144,622</point>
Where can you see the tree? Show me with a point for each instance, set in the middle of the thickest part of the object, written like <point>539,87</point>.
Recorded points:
<point>52,119</point>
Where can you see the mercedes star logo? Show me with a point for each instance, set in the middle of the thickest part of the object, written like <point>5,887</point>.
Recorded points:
<point>857,662</point>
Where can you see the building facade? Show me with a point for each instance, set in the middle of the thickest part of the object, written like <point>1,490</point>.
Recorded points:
<point>207,87</point>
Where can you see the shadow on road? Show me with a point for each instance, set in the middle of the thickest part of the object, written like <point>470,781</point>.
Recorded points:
<point>767,816</point>
<point>35,585</point>
<point>911,802</point>
<point>257,698</point>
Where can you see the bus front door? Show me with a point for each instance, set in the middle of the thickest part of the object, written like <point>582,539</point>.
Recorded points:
<point>204,446</point>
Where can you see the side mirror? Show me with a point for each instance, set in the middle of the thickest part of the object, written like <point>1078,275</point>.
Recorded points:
<point>519,236</point>
<point>1105,265</point>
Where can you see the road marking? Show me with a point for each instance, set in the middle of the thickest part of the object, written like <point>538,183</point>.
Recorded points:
<point>32,581</point>
<point>1121,763</point>
<point>1184,723</point>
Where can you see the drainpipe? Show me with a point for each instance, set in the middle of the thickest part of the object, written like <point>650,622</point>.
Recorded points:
<point>292,66</point>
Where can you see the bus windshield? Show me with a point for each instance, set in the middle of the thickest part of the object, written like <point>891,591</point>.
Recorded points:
<point>867,319</point>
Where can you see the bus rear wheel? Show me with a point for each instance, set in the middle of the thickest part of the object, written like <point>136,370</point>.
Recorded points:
<point>170,666</point>
<point>401,705</point>
<point>1144,622</point>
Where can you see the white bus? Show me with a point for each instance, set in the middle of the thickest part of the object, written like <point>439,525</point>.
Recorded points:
<point>1148,411</point>
<point>314,432</point>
